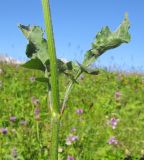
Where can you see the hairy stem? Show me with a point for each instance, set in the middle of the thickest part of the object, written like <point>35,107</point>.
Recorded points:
<point>55,120</point>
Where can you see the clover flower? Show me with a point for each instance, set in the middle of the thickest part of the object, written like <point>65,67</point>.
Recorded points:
<point>71,138</point>
<point>4,130</point>
<point>13,118</point>
<point>113,141</point>
<point>70,158</point>
<point>113,122</point>
<point>79,111</point>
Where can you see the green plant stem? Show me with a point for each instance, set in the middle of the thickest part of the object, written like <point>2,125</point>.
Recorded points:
<point>49,92</point>
<point>68,90</point>
<point>37,126</point>
<point>55,117</point>
<point>49,100</point>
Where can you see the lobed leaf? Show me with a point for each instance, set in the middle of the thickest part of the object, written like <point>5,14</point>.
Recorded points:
<point>37,46</point>
<point>105,40</point>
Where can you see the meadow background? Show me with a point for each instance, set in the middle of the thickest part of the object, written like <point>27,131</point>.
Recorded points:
<point>103,120</point>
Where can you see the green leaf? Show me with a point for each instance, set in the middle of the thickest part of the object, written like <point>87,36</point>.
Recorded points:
<point>37,46</point>
<point>34,64</point>
<point>88,70</point>
<point>105,40</point>
<point>25,29</point>
<point>30,50</point>
<point>62,65</point>
<point>42,79</point>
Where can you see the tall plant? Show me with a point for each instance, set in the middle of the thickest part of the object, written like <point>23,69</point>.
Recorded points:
<point>42,55</point>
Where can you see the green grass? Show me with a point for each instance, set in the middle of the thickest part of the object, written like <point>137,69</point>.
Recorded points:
<point>95,95</point>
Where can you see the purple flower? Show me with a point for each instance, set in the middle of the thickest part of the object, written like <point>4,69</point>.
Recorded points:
<point>113,122</point>
<point>12,118</point>
<point>118,95</point>
<point>36,112</point>
<point>32,79</point>
<point>79,111</point>
<point>113,141</point>
<point>70,158</point>
<point>4,130</point>
<point>71,138</point>
<point>35,101</point>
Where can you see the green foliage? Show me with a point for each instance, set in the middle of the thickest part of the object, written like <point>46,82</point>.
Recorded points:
<point>43,79</point>
<point>34,64</point>
<point>37,46</point>
<point>88,70</point>
<point>98,102</point>
<point>62,66</point>
<point>105,40</point>
<point>38,52</point>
